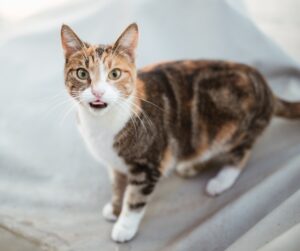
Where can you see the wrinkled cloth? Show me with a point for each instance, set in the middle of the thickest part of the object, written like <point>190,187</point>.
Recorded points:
<point>52,191</point>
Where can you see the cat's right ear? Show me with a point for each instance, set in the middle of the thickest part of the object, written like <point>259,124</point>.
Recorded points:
<point>71,43</point>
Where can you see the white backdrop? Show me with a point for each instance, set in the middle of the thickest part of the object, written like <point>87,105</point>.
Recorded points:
<point>52,191</point>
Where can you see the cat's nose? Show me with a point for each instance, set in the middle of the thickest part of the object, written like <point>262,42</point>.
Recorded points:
<point>97,93</point>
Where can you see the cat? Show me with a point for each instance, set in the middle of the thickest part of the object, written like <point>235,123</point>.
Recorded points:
<point>174,115</point>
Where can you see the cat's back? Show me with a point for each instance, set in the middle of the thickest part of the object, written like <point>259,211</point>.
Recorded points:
<point>192,71</point>
<point>224,84</point>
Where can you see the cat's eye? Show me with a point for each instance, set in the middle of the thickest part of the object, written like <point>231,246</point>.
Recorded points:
<point>82,74</point>
<point>114,74</point>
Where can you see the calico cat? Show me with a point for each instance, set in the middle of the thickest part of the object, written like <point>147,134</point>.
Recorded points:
<point>182,114</point>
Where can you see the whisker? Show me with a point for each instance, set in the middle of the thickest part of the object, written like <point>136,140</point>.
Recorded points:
<point>131,110</point>
<point>57,105</point>
<point>149,102</point>
<point>49,98</point>
<point>131,118</point>
<point>125,102</point>
<point>68,112</point>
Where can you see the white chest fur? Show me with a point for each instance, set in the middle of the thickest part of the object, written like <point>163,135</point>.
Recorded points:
<point>99,132</point>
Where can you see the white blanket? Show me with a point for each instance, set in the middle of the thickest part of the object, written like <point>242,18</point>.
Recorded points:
<point>51,189</point>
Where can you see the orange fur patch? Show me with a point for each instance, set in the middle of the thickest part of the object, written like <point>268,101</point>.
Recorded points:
<point>225,133</point>
<point>167,160</point>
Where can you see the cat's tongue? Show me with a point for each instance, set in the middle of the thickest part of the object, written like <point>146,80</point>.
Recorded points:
<point>98,104</point>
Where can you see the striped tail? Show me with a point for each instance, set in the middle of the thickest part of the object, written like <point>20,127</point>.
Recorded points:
<point>286,109</point>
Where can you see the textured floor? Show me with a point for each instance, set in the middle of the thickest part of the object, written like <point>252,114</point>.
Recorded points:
<point>278,19</point>
<point>11,242</point>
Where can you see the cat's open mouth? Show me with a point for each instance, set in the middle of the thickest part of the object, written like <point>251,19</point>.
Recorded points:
<point>98,104</point>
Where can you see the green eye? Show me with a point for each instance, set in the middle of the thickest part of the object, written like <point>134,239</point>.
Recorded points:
<point>82,74</point>
<point>114,74</point>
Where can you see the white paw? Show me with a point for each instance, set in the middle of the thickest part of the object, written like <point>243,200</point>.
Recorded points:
<point>186,171</point>
<point>223,181</point>
<point>107,212</point>
<point>215,187</point>
<point>122,233</point>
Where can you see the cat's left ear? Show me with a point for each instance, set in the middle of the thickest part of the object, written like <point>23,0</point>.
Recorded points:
<point>128,40</point>
<point>71,43</point>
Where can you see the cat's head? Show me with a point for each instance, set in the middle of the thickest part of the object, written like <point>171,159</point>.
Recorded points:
<point>100,76</point>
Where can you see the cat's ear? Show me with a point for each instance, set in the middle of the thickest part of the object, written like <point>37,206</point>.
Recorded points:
<point>71,43</point>
<point>128,40</point>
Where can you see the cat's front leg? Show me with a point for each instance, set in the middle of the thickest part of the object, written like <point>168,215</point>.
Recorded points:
<point>113,208</point>
<point>141,182</point>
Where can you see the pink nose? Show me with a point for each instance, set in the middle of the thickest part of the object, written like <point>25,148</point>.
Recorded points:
<point>96,93</point>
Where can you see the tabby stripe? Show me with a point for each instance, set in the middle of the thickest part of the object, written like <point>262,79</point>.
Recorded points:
<point>87,61</point>
<point>137,182</point>
<point>134,206</point>
<point>148,189</point>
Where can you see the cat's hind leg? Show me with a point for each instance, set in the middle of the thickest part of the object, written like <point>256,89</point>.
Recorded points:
<point>189,168</point>
<point>230,171</point>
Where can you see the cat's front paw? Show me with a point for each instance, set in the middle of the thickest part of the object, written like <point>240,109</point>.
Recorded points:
<point>122,233</point>
<point>108,213</point>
